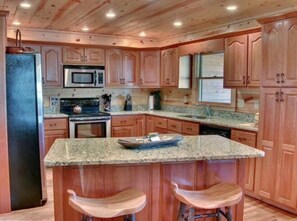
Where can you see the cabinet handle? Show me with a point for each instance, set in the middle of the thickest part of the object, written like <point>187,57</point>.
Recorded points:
<point>190,129</point>
<point>242,139</point>
<point>248,80</point>
<point>283,78</point>
<point>53,125</point>
<point>281,99</point>
<point>123,121</point>
<point>174,126</point>
<point>277,77</point>
<point>43,80</point>
<point>141,81</point>
<point>277,96</point>
<point>123,80</point>
<point>243,80</point>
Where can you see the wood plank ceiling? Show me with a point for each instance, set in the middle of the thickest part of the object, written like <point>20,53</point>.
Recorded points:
<point>154,17</point>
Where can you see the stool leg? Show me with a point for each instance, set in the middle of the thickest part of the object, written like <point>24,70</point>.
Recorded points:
<point>228,213</point>
<point>191,214</point>
<point>130,217</point>
<point>181,211</point>
<point>218,215</point>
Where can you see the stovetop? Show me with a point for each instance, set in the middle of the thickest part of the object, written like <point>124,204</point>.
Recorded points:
<point>89,107</point>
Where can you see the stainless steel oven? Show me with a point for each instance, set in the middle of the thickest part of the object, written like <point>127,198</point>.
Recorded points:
<point>85,118</point>
<point>89,127</point>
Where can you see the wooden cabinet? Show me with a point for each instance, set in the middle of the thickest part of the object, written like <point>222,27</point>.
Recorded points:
<point>52,67</point>
<point>128,126</point>
<point>242,61</point>
<point>54,128</point>
<point>190,128</point>
<point>250,139</point>
<point>149,122</point>
<point>160,125</point>
<point>174,126</point>
<point>279,53</point>
<point>122,68</point>
<point>169,67</point>
<point>113,67</point>
<point>150,69</point>
<point>276,173</point>
<point>77,55</point>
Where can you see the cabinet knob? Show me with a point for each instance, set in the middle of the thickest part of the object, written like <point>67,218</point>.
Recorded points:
<point>243,80</point>
<point>282,78</point>
<point>248,80</point>
<point>281,98</point>
<point>277,96</point>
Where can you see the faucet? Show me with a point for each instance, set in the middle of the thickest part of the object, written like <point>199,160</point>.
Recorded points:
<point>208,111</point>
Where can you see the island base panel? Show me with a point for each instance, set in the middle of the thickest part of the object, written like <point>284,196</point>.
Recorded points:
<point>153,179</point>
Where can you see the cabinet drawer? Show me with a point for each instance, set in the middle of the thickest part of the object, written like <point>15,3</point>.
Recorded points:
<point>190,128</point>
<point>123,121</point>
<point>56,124</point>
<point>161,122</point>
<point>244,137</point>
<point>175,126</point>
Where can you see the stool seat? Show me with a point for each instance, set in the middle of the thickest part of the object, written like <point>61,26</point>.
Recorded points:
<point>127,202</point>
<point>217,196</point>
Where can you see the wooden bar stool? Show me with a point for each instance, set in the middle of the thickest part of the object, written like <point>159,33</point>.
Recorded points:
<point>125,203</point>
<point>223,195</point>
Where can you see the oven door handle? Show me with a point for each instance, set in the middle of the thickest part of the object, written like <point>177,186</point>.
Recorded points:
<point>90,120</point>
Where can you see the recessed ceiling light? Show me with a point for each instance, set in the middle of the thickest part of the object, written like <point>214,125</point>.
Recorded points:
<point>16,23</point>
<point>25,4</point>
<point>177,23</point>
<point>110,14</point>
<point>85,29</point>
<point>231,7</point>
<point>142,34</point>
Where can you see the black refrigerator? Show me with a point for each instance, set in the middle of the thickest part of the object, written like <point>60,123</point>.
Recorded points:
<point>25,130</point>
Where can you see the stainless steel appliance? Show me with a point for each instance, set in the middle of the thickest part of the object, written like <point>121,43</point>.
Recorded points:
<point>83,76</point>
<point>215,130</point>
<point>89,122</point>
<point>25,130</point>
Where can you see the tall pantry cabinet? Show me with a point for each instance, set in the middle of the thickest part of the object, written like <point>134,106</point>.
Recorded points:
<point>276,173</point>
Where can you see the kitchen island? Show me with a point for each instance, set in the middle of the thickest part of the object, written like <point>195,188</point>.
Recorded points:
<point>101,167</point>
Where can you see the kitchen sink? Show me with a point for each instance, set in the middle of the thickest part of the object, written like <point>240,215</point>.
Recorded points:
<point>193,116</point>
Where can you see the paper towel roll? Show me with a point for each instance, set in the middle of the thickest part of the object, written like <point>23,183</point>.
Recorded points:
<point>151,102</point>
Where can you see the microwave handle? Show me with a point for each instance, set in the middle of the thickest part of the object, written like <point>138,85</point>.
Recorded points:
<point>96,78</point>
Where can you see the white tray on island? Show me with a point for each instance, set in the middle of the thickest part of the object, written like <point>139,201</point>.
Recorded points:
<point>145,142</point>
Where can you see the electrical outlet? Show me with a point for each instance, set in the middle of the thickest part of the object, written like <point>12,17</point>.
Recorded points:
<point>54,101</point>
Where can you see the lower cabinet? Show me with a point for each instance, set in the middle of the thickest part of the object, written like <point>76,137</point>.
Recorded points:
<point>250,139</point>
<point>128,126</point>
<point>54,128</point>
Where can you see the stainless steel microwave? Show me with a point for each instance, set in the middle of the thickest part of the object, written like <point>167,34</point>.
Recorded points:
<point>77,76</point>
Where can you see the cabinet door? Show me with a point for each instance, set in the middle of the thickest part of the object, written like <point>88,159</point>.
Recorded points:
<point>94,56</point>
<point>289,74</point>
<point>247,138</point>
<point>286,189</point>
<point>51,135</point>
<point>123,131</point>
<point>52,66</point>
<point>235,61</point>
<point>113,67</point>
<point>190,128</point>
<point>254,59</point>
<point>130,68</point>
<point>149,124</point>
<point>267,141</point>
<point>140,126</point>
<point>169,67</point>
<point>150,69</point>
<point>272,61</point>
<point>73,55</point>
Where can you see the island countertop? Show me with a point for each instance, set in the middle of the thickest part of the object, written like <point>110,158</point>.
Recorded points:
<point>106,151</point>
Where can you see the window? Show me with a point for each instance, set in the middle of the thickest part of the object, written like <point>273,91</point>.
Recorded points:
<point>210,75</point>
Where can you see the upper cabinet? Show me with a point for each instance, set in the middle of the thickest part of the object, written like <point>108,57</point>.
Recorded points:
<point>242,61</point>
<point>279,54</point>
<point>122,68</point>
<point>150,68</point>
<point>52,67</point>
<point>169,67</point>
<point>76,55</point>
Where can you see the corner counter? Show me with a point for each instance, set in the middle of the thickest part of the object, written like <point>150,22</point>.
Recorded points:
<point>101,167</point>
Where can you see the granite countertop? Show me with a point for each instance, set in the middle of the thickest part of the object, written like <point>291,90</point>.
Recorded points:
<point>100,151</point>
<point>209,120</point>
<point>237,124</point>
